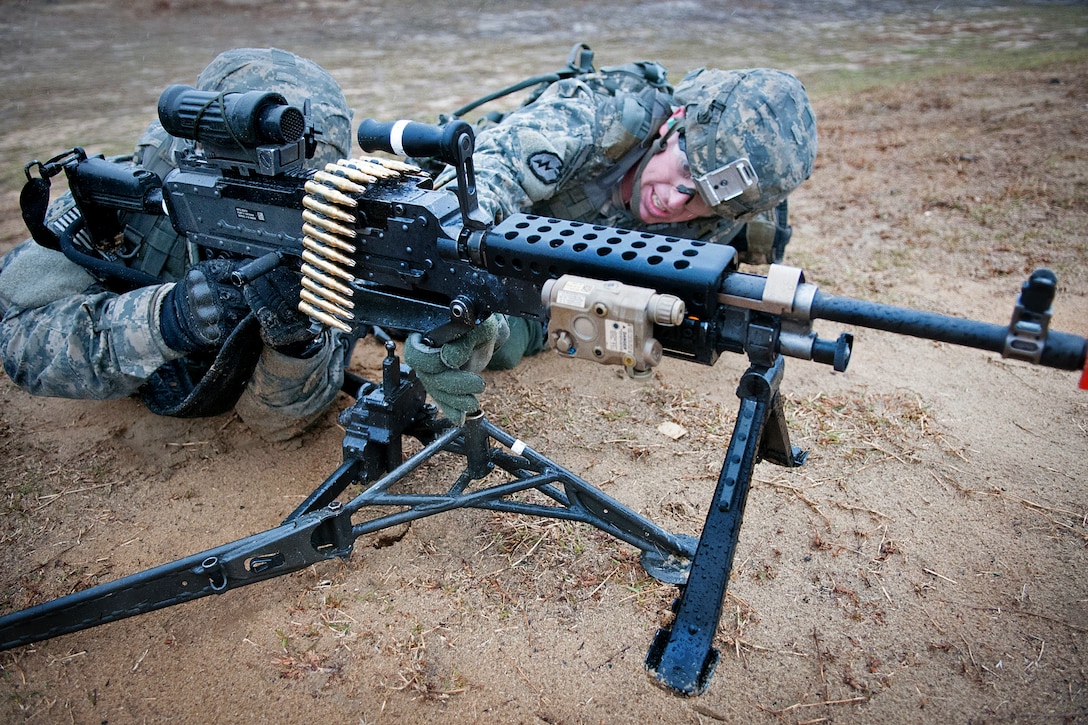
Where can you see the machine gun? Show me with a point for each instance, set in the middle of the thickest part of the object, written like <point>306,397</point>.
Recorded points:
<point>376,244</point>
<point>239,193</point>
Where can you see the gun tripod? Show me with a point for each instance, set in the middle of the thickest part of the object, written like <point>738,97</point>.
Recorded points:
<point>681,658</point>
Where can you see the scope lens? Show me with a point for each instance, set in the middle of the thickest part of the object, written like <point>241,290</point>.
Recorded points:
<point>282,124</point>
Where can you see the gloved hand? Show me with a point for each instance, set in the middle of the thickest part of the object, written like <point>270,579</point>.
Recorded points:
<point>526,338</point>
<point>202,308</point>
<point>274,297</point>
<point>450,373</point>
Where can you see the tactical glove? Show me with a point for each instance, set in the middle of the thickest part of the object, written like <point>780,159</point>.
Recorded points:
<point>450,373</point>
<point>526,338</point>
<point>202,308</point>
<point>274,297</point>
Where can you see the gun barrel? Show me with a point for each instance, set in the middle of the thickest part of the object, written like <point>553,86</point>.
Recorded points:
<point>1062,350</point>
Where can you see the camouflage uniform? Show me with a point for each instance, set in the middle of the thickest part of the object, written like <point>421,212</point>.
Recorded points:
<point>565,153</point>
<point>65,334</point>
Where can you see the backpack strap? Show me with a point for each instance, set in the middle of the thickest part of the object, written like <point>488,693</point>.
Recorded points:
<point>579,62</point>
<point>645,100</point>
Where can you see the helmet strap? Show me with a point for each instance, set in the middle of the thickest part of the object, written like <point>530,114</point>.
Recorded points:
<point>656,146</point>
<point>636,184</point>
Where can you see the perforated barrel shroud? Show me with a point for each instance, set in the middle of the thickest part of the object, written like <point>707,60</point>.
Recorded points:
<point>538,248</point>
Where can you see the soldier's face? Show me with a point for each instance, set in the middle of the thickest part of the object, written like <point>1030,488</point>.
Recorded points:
<point>667,193</point>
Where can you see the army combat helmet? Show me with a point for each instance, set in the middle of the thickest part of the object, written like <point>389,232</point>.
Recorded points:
<point>298,80</point>
<point>749,135</point>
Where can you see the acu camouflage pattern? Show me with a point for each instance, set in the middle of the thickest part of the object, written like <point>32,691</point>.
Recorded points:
<point>565,153</point>
<point>549,155</point>
<point>63,334</point>
<point>761,114</point>
<point>161,252</point>
<point>296,79</point>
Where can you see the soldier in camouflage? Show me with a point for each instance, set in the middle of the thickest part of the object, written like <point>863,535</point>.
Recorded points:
<point>178,344</point>
<point>714,160</point>
<point>586,151</point>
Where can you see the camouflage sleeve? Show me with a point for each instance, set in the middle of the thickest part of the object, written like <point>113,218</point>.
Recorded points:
<point>527,157</point>
<point>63,335</point>
<point>754,239</point>
<point>286,395</point>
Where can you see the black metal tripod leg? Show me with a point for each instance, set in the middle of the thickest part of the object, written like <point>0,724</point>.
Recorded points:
<point>665,555</point>
<point>374,429</point>
<point>292,546</point>
<point>326,493</point>
<point>683,658</point>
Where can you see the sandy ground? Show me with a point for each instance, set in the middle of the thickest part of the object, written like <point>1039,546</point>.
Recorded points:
<point>927,564</point>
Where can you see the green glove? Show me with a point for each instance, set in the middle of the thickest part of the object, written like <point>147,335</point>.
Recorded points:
<point>526,338</point>
<point>450,373</point>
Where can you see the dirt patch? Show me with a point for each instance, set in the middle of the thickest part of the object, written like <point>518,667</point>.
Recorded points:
<point>927,564</point>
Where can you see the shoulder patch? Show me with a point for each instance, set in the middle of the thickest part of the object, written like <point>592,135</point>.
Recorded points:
<point>546,166</point>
